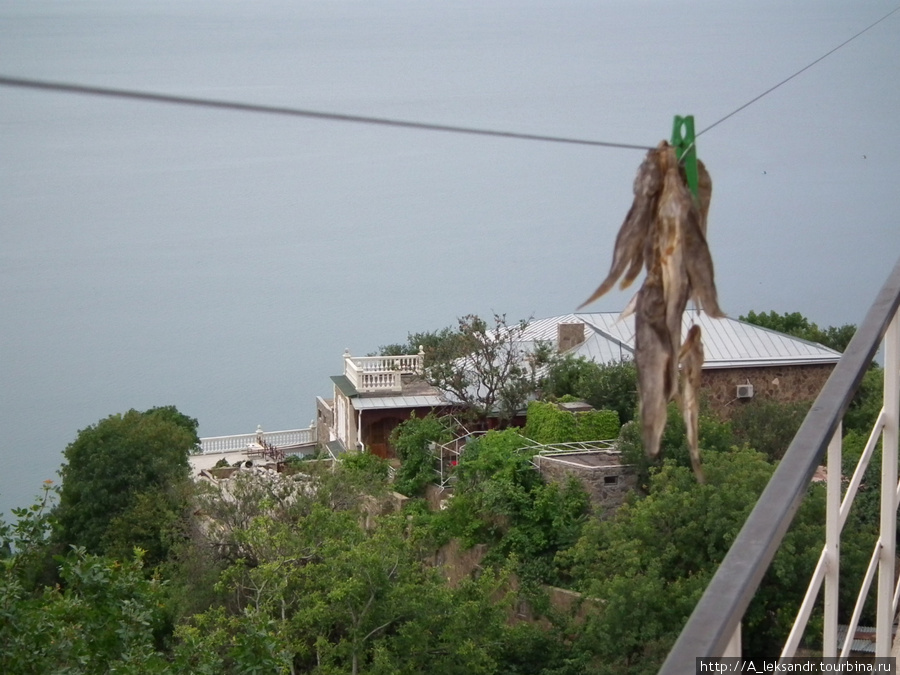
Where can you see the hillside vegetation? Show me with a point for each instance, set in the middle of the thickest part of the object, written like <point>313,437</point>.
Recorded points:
<point>131,567</point>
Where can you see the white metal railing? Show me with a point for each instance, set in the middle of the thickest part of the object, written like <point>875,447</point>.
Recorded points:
<point>574,448</point>
<point>446,455</point>
<point>714,627</point>
<point>381,373</point>
<point>836,511</point>
<point>239,442</point>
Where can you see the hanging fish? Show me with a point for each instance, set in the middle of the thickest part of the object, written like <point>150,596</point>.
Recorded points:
<point>633,235</point>
<point>704,194</point>
<point>691,360</point>
<point>655,360</point>
<point>676,207</point>
<point>665,230</point>
<point>697,258</point>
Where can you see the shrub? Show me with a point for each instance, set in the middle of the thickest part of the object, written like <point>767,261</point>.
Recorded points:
<point>412,439</point>
<point>547,423</point>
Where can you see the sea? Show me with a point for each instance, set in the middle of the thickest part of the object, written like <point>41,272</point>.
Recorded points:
<point>222,261</point>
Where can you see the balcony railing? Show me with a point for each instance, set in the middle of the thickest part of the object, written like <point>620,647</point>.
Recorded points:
<point>280,439</point>
<point>381,373</point>
<point>713,629</point>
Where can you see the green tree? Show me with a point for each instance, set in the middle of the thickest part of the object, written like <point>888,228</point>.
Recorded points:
<point>26,551</point>
<point>611,386</point>
<point>497,372</point>
<point>650,563</point>
<point>714,436</point>
<point>546,423</point>
<point>866,403</point>
<point>501,500</point>
<point>796,324</point>
<point>768,426</point>
<point>438,346</point>
<point>103,617</point>
<point>322,594</point>
<point>412,438</point>
<point>123,482</point>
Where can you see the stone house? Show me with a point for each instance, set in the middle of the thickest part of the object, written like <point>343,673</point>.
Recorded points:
<point>372,396</point>
<point>742,361</point>
<point>376,393</point>
<point>606,480</point>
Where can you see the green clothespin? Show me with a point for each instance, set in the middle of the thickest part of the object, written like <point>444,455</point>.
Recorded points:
<point>685,149</point>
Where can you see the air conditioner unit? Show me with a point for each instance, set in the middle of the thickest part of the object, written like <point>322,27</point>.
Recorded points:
<point>745,391</point>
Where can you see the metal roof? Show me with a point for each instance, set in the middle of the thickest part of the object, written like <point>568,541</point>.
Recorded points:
<point>420,395</point>
<point>343,383</point>
<point>727,343</point>
<point>599,345</point>
<point>377,402</point>
<point>863,639</point>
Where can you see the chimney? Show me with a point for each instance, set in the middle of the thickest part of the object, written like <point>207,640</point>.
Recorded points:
<point>569,335</point>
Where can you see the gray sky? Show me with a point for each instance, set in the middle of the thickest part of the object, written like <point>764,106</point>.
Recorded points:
<point>222,261</point>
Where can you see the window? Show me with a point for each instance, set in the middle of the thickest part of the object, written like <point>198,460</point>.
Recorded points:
<point>610,480</point>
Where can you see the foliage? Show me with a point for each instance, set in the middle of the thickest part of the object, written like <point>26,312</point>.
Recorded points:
<point>328,596</point>
<point>153,522</point>
<point>231,507</point>
<point>102,618</point>
<point>714,436</point>
<point>438,346</point>
<point>412,439</point>
<point>612,386</point>
<point>25,547</point>
<point>125,472</point>
<point>867,504</point>
<point>283,574</point>
<point>500,499</point>
<point>796,324</point>
<point>368,471</point>
<point>547,423</point>
<point>593,425</point>
<point>866,403</point>
<point>497,373</point>
<point>768,426</point>
<point>651,562</point>
<point>298,461</point>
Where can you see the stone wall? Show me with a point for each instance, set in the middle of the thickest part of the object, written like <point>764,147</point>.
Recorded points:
<point>787,384</point>
<point>437,496</point>
<point>605,479</point>
<point>325,420</point>
<point>457,563</point>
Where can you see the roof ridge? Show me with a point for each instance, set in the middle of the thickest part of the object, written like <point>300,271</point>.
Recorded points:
<point>818,345</point>
<point>608,336</point>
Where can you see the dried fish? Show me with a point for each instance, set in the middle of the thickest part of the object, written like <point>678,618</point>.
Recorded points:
<point>633,235</point>
<point>655,359</point>
<point>704,193</point>
<point>691,359</point>
<point>697,258</point>
<point>665,230</point>
<point>676,208</point>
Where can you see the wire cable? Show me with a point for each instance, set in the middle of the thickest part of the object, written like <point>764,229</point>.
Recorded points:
<point>109,92</point>
<point>296,112</point>
<point>788,79</point>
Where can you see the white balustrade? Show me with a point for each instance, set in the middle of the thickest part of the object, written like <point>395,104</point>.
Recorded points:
<point>239,442</point>
<point>380,373</point>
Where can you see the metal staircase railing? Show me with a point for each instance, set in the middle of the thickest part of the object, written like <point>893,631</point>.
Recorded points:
<point>713,629</point>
